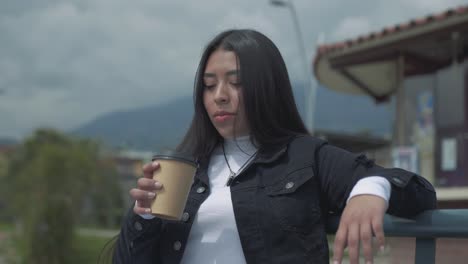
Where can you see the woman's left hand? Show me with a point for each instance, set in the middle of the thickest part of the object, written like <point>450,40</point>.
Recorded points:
<point>361,219</point>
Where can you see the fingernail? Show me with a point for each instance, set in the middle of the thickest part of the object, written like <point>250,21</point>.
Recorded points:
<point>151,195</point>
<point>154,164</point>
<point>147,210</point>
<point>158,184</point>
<point>336,262</point>
<point>382,249</point>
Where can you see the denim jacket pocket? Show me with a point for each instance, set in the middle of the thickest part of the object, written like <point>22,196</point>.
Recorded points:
<point>294,201</point>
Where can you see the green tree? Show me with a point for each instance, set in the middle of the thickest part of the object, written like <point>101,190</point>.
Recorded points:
<point>3,186</point>
<point>50,177</point>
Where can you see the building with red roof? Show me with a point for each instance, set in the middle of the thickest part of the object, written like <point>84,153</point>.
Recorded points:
<point>422,65</point>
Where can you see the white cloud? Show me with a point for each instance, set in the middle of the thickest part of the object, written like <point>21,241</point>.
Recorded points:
<point>237,18</point>
<point>351,27</point>
<point>64,62</point>
<point>431,6</point>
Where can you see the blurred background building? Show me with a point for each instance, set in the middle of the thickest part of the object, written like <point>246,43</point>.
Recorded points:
<point>420,67</point>
<point>128,164</point>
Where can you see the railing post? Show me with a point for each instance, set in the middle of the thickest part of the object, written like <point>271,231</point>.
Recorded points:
<point>425,227</point>
<point>425,251</point>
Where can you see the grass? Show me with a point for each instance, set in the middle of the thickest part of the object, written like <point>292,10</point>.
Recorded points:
<point>7,243</point>
<point>6,227</point>
<point>88,248</point>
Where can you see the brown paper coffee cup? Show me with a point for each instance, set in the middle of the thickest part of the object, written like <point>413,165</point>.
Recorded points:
<point>176,173</point>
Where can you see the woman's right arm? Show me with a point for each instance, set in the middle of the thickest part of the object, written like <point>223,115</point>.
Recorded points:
<point>139,237</point>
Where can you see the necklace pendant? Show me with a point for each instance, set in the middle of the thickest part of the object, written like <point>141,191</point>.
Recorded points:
<point>230,179</point>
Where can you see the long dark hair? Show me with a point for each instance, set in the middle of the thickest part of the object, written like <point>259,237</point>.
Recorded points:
<point>271,111</point>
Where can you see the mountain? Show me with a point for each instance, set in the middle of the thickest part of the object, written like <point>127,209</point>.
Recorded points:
<point>147,128</point>
<point>5,141</point>
<point>163,126</point>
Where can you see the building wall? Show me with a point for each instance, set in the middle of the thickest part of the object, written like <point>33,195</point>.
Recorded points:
<point>436,109</point>
<point>452,127</point>
<point>450,94</point>
<point>420,116</point>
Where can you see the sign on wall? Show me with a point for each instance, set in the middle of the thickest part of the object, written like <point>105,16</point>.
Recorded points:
<point>449,154</point>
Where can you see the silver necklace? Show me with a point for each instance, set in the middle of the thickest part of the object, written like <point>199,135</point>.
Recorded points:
<point>232,174</point>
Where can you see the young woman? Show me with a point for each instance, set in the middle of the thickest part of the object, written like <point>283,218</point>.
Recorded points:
<point>265,187</point>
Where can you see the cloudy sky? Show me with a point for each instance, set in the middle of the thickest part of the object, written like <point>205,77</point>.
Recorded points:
<point>64,62</point>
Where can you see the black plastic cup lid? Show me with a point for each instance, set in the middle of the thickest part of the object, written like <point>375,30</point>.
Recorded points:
<point>174,155</point>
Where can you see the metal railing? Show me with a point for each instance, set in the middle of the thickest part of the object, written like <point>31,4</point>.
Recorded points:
<point>425,227</point>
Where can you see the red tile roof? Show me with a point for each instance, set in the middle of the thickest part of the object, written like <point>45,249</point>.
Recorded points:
<point>326,48</point>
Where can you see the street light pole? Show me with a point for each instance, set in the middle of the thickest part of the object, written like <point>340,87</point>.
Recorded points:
<point>310,91</point>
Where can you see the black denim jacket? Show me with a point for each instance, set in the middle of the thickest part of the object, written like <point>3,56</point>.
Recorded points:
<point>281,201</point>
